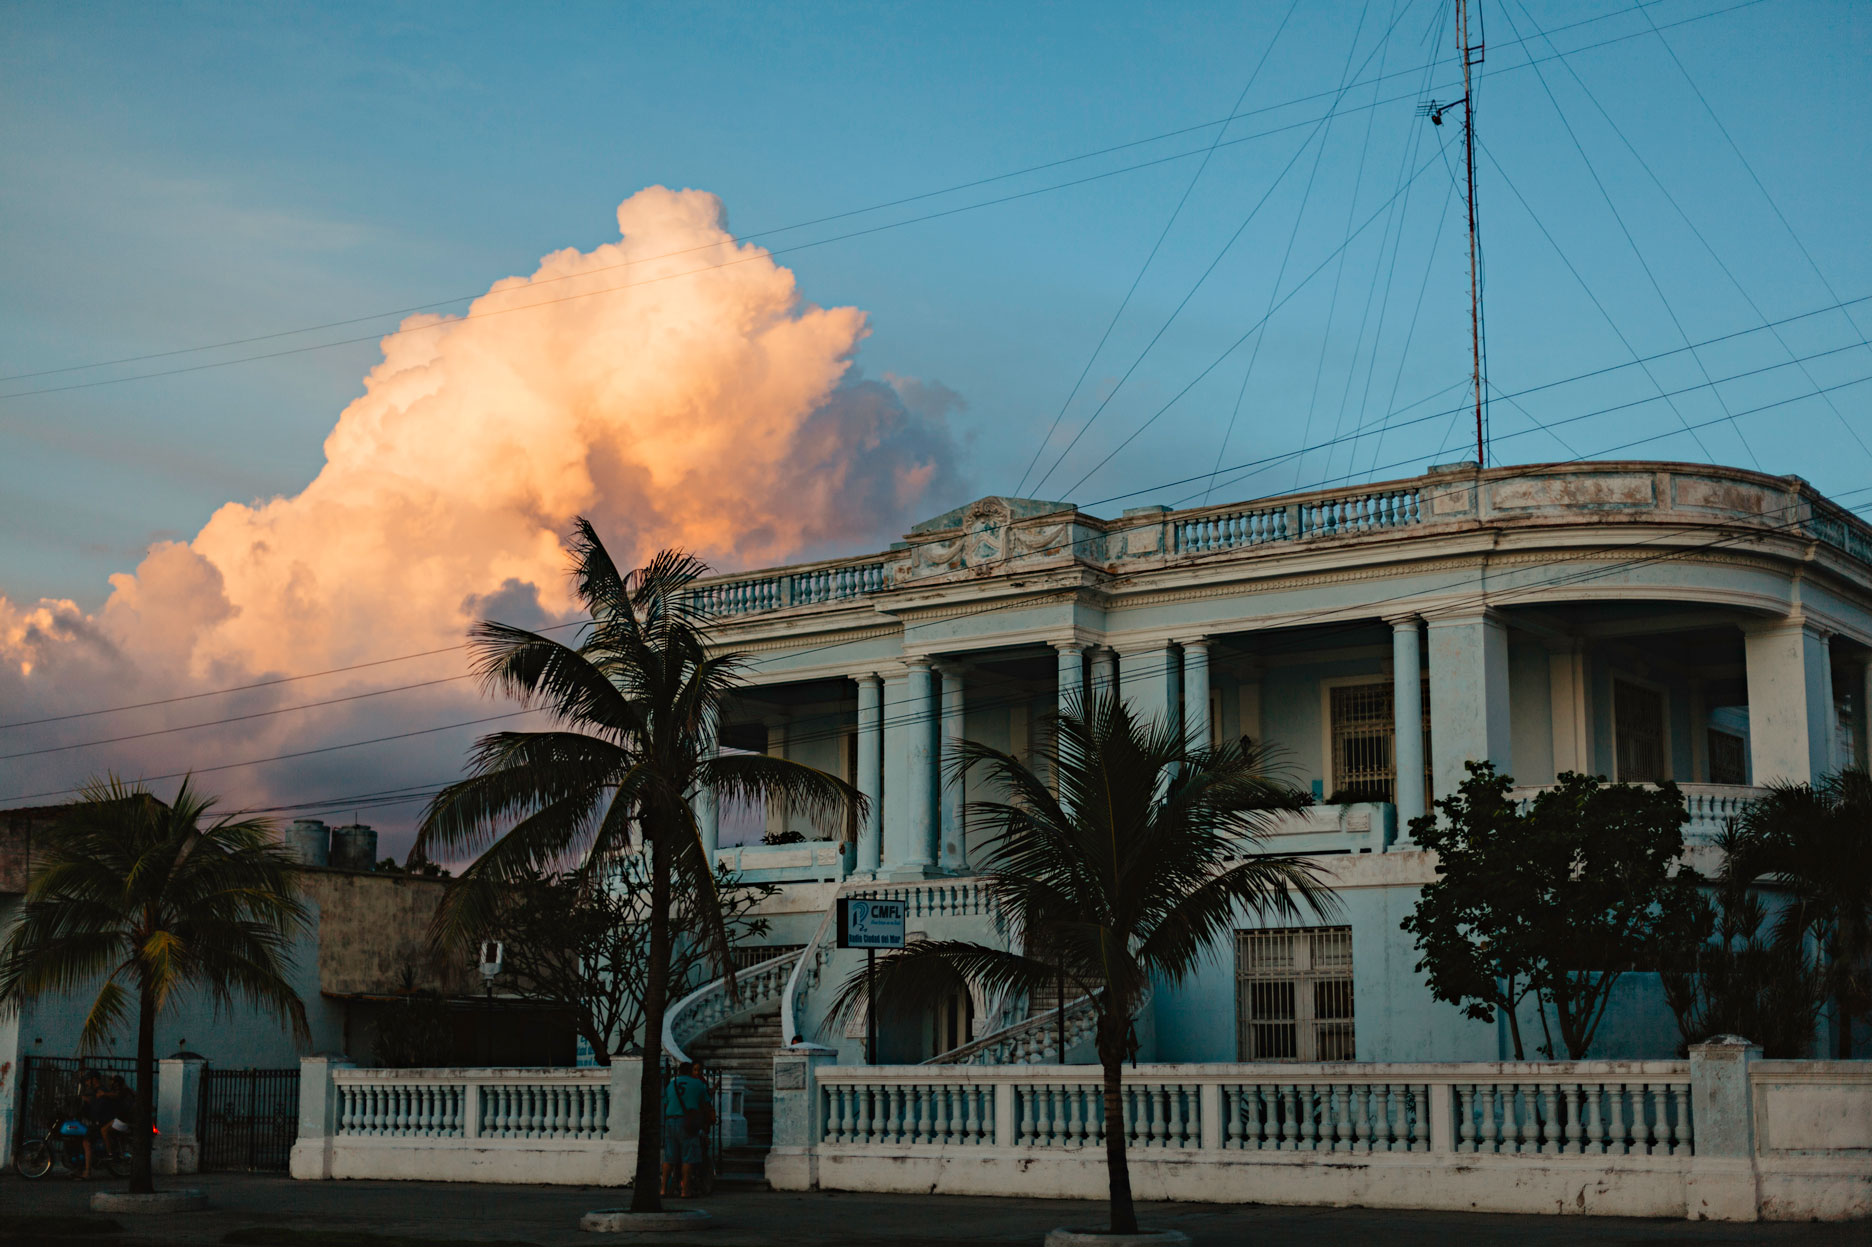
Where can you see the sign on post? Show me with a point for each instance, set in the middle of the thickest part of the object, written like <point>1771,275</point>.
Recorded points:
<point>864,923</point>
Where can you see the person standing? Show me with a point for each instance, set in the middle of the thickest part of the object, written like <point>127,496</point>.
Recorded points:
<point>685,1107</point>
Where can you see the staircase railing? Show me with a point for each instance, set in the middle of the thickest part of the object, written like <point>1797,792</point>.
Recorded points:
<point>710,1006</point>
<point>805,974</point>
<point>1034,1041</point>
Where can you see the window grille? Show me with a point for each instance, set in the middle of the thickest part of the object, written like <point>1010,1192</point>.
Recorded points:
<point>1638,731</point>
<point>1727,762</point>
<point>1293,994</point>
<point>1364,736</point>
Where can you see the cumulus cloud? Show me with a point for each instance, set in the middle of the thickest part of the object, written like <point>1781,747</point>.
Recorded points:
<point>672,385</point>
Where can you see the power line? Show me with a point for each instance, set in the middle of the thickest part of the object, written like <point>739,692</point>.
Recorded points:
<point>1155,247</point>
<point>1359,432</point>
<point>1321,127</point>
<point>378,337</point>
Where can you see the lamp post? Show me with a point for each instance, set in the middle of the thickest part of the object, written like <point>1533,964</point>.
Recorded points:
<point>490,967</point>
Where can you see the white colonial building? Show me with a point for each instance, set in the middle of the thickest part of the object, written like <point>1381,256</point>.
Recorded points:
<point>1644,621</point>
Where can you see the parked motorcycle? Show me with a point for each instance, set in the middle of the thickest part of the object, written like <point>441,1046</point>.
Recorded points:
<point>63,1144</point>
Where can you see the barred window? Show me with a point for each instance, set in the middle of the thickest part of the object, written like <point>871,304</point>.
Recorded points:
<point>1638,733</point>
<point>1293,994</point>
<point>1364,737</point>
<point>1727,762</point>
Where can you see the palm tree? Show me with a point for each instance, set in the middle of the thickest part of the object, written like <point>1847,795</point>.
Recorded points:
<point>1125,869</point>
<point>152,900</point>
<point>1815,842</point>
<point>636,703</point>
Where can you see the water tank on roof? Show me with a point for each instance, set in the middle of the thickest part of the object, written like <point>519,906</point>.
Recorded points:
<point>309,841</point>
<point>353,847</point>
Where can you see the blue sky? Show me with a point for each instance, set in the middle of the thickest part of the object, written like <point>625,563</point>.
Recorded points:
<point>179,175</point>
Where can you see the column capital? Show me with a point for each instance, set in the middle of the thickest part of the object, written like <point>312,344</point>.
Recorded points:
<point>1192,642</point>
<point>918,661</point>
<point>947,665</point>
<point>1403,623</point>
<point>1071,643</point>
<point>1787,623</point>
<point>862,677</point>
<point>1459,616</point>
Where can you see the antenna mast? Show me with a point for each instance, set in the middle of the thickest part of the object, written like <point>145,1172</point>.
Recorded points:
<point>1472,56</point>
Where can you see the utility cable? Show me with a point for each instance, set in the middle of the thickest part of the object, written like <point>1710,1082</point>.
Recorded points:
<point>1155,247</point>
<point>379,337</point>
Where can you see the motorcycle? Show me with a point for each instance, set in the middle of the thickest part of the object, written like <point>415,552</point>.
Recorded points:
<point>63,1144</point>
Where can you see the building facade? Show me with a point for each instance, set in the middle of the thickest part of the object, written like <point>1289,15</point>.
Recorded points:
<point>1640,621</point>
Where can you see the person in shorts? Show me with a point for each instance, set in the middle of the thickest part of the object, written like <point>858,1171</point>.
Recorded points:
<point>685,1104</point>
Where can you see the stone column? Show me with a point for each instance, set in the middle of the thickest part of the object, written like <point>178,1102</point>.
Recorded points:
<point>1865,720</point>
<point>1568,691</point>
<point>1790,698</point>
<point>177,1147</point>
<point>777,731</point>
<point>1071,675</point>
<point>311,1157</point>
<point>707,806</point>
<point>870,778</point>
<point>1407,719</point>
<point>1104,671</point>
<point>952,849</point>
<point>1146,682</point>
<point>1196,726</point>
<point>911,821</point>
<point>1468,696</point>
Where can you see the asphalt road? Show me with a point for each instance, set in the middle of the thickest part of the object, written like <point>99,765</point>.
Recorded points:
<point>253,1209</point>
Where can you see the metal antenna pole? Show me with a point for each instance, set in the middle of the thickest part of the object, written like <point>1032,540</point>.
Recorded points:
<point>1472,56</point>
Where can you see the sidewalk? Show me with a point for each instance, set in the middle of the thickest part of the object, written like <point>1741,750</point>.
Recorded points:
<point>333,1214</point>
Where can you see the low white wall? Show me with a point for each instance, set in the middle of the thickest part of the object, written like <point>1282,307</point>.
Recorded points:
<point>552,1162</point>
<point>571,1127</point>
<point>1724,1136</point>
<point>1622,1186</point>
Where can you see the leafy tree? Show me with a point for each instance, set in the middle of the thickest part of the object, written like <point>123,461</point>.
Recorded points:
<point>1559,899</point>
<point>636,702</point>
<point>154,900</point>
<point>584,944</point>
<point>1815,844</point>
<point>1126,868</point>
<point>1723,971</point>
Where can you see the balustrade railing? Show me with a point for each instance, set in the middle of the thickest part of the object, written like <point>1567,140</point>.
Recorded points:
<point>709,1006</point>
<point>1031,1041</point>
<point>1710,806</point>
<point>1318,517</point>
<point>473,1104</point>
<point>937,898</point>
<point>1594,1108</point>
<point>1574,1118</point>
<point>803,588</point>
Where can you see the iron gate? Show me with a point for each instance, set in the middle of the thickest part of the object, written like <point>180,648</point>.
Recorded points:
<point>49,1087</point>
<point>249,1118</point>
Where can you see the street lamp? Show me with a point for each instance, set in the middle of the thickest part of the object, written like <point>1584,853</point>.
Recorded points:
<point>490,967</point>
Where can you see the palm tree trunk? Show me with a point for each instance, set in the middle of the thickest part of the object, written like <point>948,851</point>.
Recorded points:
<point>141,1181</point>
<point>1117,1168</point>
<point>646,1196</point>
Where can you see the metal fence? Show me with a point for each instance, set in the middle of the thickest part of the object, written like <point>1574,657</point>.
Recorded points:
<point>49,1087</point>
<point>248,1119</point>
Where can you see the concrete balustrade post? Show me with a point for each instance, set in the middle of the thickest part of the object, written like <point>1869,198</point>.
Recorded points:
<point>318,1117</point>
<point>1006,1128</point>
<point>798,1118</point>
<point>626,1098</point>
<point>1209,1111</point>
<point>177,1147</point>
<point>1442,1119</point>
<point>1723,1184</point>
